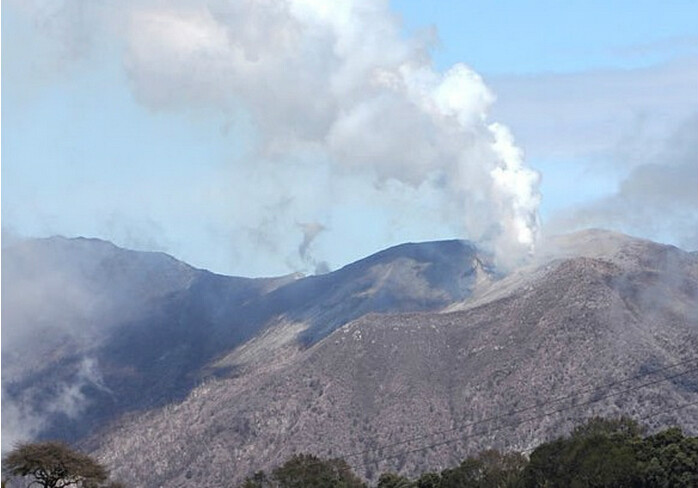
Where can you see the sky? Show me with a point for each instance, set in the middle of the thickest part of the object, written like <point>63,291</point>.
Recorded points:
<point>263,137</point>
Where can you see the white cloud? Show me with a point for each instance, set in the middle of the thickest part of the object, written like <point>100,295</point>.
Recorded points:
<point>658,199</point>
<point>595,114</point>
<point>616,131</point>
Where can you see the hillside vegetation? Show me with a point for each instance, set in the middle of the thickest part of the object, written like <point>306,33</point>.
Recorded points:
<point>174,376</point>
<point>600,453</point>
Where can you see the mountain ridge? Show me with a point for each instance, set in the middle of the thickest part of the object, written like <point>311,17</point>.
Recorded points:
<point>383,378</point>
<point>414,339</point>
<point>150,322</point>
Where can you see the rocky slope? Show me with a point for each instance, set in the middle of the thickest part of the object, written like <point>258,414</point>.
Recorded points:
<point>598,308</point>
<point>92,331</point>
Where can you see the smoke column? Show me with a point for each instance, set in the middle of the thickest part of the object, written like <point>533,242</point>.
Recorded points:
<point>337,79</point>
<point>335,102</point>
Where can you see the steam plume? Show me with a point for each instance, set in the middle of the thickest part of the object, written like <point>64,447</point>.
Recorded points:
<point>334,88</point>
<point>337,80</point>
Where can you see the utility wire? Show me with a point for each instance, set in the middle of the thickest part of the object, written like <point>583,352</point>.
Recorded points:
<point>667,410</point>
<point>654,414</point>
<point>516,424</point>
<point>530,419</point>
<point>524,409</point>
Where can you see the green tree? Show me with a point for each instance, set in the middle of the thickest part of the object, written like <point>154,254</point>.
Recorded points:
<point>489,468</point>
<point>669,459</point>
<point>307,471</point>
<point>393,480</point>
<point>53,465</point>
<point>599,453</point>
<point>429,480</point>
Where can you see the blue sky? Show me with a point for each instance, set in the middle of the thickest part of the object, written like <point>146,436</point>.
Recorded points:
<point>512,37</point>
<point>196,130</point>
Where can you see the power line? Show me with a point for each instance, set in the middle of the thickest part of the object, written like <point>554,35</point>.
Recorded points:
<point>515,424</point>
<point>667,410</point>
<point>654,414</point>
<point>522,410</point>
<point>530,419</point>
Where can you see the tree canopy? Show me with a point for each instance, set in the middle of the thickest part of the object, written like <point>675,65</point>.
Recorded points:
<point>54,465</point>
<point>307,471</point>
<point>613,453</point>
<point>603,453</point>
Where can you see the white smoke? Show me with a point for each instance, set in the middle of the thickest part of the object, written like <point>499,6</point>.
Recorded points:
<point>337,87</point>
<point>338,80</point>
<point>310,231</point>
<point>24,418</point>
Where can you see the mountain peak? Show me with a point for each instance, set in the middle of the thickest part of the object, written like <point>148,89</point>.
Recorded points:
<point>368,344</point>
